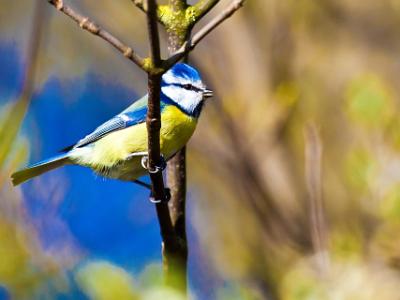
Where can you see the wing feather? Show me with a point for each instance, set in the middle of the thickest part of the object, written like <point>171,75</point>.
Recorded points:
<point>135,114</point>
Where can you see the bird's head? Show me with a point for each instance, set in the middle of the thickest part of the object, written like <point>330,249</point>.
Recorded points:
<point>182,84</point>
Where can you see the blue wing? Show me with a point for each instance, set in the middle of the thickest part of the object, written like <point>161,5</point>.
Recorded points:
<point>134,114</point>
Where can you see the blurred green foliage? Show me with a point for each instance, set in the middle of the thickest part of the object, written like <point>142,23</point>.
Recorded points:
<point>369,101</point>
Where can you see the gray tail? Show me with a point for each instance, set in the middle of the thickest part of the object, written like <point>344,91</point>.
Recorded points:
<point>39,168</point>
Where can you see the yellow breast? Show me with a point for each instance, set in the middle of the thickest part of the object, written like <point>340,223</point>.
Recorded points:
<point>176,130</point>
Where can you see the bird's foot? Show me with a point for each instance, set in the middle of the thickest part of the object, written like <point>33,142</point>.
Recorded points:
<point>161,167</point>
<point>158,168</point>
<point>167,197</point>
<point>167,192</point>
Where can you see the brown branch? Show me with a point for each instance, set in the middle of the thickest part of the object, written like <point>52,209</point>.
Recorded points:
<point>142,5</point>
<point>203,7</point>
<point>154,39</point>
<point>202,33</point>
<point>170,241</point>
<point>153,122</point>
<point>176,176</point>
<point>86,24</point>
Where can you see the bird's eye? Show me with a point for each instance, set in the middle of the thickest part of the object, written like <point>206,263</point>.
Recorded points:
<point>188,86</point>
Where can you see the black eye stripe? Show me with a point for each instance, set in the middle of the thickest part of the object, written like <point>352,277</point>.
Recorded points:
<point>188,86</point>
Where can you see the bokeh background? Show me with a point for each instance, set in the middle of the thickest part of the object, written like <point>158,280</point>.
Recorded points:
<point>293,172</point>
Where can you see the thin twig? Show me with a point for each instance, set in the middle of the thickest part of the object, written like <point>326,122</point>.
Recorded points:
<point>86,24</point>
<point>203,7</point>
<point>202,33</point>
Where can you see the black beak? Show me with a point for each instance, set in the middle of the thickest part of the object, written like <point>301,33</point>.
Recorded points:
<point>207,93</point>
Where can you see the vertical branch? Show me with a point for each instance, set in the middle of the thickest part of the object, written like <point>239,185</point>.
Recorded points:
<point>154,39</point>
<point>177,39</point>
<point>313,154</point>
<point>176,172</point>
<point>153,122</point>
<point>177,32</point>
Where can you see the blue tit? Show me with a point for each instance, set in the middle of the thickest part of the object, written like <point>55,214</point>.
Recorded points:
<point>115,148</point>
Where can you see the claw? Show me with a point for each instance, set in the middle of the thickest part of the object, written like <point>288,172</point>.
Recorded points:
<point>145,162</point>
<point>167,194</point>
<point>161,167</point>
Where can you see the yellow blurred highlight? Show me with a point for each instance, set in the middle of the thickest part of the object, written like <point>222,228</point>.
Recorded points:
<point>392,133</point>
<point>13,252</point>
<point>390,204</point>
<point>369,101</point>
<point>346,244</point>
<point>345,281</point>
<point>386,244</point>
<point>102,280</point>
<point>287,94</point>
<point>23,268</point>
<point>163,293</point>
<point>360,168</point>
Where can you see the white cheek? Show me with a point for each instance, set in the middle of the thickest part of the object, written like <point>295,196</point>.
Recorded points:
<point>173,92</point>
<point>188,100</point>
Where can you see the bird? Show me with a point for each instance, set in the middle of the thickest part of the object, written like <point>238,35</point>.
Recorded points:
<point>116,148</point>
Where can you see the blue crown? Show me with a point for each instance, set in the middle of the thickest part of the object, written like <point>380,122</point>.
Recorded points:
<point>185,71</point>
